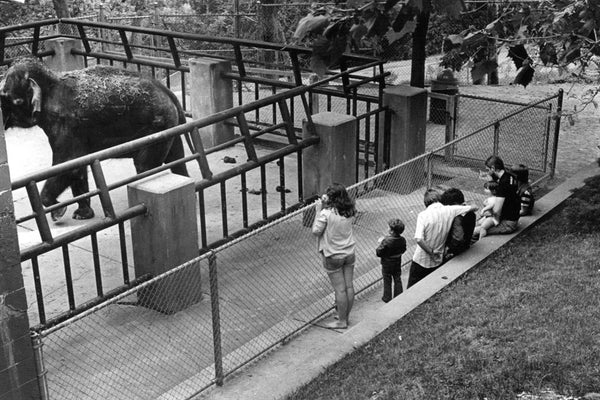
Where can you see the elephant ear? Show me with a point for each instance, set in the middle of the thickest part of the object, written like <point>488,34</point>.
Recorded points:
<point>36,98</point>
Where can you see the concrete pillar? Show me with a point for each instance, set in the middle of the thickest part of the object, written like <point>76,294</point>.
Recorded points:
<point>18,376</point>
<point>166,237</point>
<point>334,158</point>
<point>408,109</point>
<point>63,60</point>
<point>209,94</point>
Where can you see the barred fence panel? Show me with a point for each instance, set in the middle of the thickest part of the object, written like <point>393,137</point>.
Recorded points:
<point>125,350</point>
<point>255,292</point>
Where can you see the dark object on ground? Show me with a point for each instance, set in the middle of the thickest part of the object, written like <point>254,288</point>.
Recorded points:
<point>229,160</point>
<point>525,74</point>
<point>518,54</point>
<point>254,191</point>
<point>282,189</point>
<point>89,110</point>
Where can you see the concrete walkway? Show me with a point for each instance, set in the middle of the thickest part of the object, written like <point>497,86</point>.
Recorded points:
<point>290,366</point>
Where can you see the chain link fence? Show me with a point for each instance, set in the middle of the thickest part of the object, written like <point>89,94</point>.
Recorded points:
<point>252,294</point>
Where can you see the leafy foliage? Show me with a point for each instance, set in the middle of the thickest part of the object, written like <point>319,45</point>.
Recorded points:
<point>553,33</point>
<point>361,24</point>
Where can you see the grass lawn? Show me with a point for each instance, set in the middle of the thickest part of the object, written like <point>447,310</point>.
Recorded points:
<point>525,320</point>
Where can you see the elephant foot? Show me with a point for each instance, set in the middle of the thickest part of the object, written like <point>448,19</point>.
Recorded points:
<point>58,213</point>
<point>83,213</point>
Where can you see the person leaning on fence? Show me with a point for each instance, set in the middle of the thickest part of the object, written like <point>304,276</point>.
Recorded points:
<point>431,231</point>
<point>390,250</point>
<point>463,225</point>
<point>507,206</point>
<point>335,212</point>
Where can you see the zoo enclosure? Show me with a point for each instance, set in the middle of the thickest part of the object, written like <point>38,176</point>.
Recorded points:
<point>255,302</point>
<point>465,155</point>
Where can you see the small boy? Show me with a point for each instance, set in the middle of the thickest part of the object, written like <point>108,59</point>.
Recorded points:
<point>390,250</point>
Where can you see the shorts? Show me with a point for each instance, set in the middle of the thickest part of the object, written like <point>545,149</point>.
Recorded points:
<point>336,263</point>
<point>503,228</point>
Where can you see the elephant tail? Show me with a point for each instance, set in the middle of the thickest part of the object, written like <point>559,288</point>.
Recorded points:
<point>177,151</point>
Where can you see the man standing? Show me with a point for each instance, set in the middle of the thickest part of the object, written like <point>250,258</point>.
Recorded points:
<point>508,205</point>
<point>433,225</point>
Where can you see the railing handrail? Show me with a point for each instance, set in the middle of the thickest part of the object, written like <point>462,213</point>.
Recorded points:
<point>221,116</point>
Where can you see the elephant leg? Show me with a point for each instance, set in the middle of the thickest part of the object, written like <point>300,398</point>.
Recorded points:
<point>53,188</point>
<point>176,152</point>
<point>149,157</point>
<point>80,185</point>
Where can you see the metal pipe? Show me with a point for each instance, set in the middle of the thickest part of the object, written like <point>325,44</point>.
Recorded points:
<point>556,132</point>
<point>38,355</point>
<point>216,319</point>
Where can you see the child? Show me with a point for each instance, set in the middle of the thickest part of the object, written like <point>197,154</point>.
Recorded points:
<point>390,249</point>
<point>525,191</point>
<point>487,219</point>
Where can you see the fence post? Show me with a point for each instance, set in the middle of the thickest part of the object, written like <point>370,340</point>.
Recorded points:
<point>334,158</point>
<point>164,238</point>
<point>407,121</point>
<point>63,60</point>
<point>216,318</point>
<point>451,108</point>
<point>18,377</point>
<point>556,132</point>
<point>209,94</point>
<point>496,147</point>
<point>408,107</point>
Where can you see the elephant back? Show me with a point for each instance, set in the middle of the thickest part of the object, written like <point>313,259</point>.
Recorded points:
<point>97,89</point>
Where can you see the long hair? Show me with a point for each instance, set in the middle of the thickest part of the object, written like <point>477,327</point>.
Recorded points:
<point>339,199</point>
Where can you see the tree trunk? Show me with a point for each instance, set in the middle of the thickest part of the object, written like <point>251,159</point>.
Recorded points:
<point>417,71</point>
<point>62,9</point>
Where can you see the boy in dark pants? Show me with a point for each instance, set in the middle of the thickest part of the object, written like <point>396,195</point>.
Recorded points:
<point>390,249</point>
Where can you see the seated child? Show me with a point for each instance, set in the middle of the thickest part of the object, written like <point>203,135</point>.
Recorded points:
<point>525,191</point>
<point>390,249</point>
<point>487,219</point>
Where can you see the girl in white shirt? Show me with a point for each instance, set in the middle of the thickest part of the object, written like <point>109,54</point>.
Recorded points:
<point>334,217</point>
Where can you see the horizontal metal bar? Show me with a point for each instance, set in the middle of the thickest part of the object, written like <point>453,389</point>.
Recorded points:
<point>515,103</point>
<point>247,166</point>
<point>132,60</point>
<point>28,25</point>
<point>240,139</point>
<point>89,304</point>
<point>82,231</point>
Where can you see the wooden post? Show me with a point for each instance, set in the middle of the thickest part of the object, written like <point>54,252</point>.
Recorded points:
<point>407,124</point>
<point>334,158</point>
<point>163,239</point>
<point>63,60</point>
<point>209,94</point>
<point>18,376</point>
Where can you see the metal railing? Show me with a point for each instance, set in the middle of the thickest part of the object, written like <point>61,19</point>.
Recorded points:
<point>165,55</point>
<point>106,190</point>
<point>260,290</point>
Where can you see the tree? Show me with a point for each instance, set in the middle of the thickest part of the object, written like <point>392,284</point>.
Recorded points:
<point>369,23</point>
<point>558,32</point>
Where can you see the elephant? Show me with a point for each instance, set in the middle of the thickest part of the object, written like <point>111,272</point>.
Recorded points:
<point>88,110</point>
